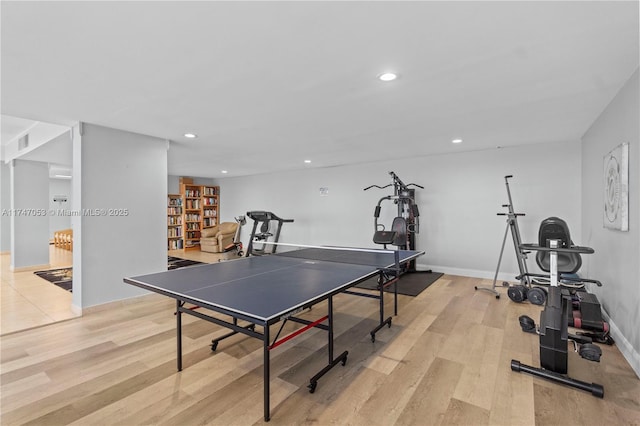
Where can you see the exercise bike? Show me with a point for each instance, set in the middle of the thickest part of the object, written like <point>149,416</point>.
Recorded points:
<point>553,327</point>
<point>584,310</point>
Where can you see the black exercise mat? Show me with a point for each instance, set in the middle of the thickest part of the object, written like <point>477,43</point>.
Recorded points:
<point>176,262</point>
<point>62,277</point>
<point>411,284</point>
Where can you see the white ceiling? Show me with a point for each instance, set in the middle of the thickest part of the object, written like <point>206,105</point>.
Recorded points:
<point>267,85</point>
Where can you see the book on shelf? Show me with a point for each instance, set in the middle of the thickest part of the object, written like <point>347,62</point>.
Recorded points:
<point>175,245</point>
<point>192,193</point>
<point>209,222</point>
<point>175,232</point>
<point>210,201</point>
<point>210,190</point>
<point>192,204</point>
<point>174,220</point>
<point>174,201</point>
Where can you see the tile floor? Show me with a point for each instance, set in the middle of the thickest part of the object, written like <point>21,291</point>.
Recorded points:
<point>30,301</point>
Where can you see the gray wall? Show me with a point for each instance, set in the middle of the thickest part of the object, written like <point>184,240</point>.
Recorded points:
<point>5,205</point>
<point>121,170</point>
<point>173,183</point>
<point>459,229</point>
<point>615,262</point>
<point>30,228</point>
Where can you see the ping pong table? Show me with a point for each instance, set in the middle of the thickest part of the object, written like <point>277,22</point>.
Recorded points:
<point>265,290</point>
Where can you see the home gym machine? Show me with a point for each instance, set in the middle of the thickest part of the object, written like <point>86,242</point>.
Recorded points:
<point>264,219</point>
<point>553,328</point>
<point>405,225</point>
<point>521,255</point>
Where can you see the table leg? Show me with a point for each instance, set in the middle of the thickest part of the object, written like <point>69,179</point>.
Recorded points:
<point>313,382</point>
<point>383,321</point>
<point>179,333</point>
<point>266,368</point>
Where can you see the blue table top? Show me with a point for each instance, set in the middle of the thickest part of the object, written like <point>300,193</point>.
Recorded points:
<point>265,288</point>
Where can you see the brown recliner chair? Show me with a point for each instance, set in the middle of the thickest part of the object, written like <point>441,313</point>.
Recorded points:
<point>215,239</point>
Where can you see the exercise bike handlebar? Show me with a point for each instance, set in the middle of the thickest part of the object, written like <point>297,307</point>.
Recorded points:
<point>572,249</point>
<point>511,214</point>
<point>562,276</point>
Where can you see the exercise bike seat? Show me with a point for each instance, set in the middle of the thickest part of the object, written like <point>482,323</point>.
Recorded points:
<point>554,228</point>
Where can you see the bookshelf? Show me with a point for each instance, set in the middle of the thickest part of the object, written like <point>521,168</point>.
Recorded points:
<point>192,217</point>
<point>210,206</point>
<point>174,222</point>
<point>199,207</point>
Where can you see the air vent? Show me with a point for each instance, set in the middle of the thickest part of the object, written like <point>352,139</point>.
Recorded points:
<point>23,142</point>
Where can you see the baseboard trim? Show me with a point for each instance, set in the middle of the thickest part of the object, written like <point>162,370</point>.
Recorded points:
<point>30,268</point>
<point>625,347</point>
<point>120,303</point>
<point>76,310</point>
<point>474,273</point>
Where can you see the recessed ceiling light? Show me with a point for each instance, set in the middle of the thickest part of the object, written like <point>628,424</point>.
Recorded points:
<point>388,76</point>
<point>307,161</point>
<point>224,171</point>
<point>190,135</point>
<point>456,141</point>
<point>63,176</point>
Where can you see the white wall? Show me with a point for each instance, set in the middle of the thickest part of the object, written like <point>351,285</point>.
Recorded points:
<point>121,170</point>
<point>5,205</point>
<point>459,229</point>
<point>615,262</point>
<point>58,221</point>
<point>29,221</point>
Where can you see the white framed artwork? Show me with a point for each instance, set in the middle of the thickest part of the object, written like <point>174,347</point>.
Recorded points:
<point>616,188</point>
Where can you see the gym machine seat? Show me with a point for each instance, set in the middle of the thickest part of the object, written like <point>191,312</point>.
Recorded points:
<point>397,236</point>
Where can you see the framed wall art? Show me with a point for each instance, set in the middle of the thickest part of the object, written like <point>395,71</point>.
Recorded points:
<point>616,188</point>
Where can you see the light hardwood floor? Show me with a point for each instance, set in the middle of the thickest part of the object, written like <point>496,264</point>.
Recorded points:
<point>445,360</point>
